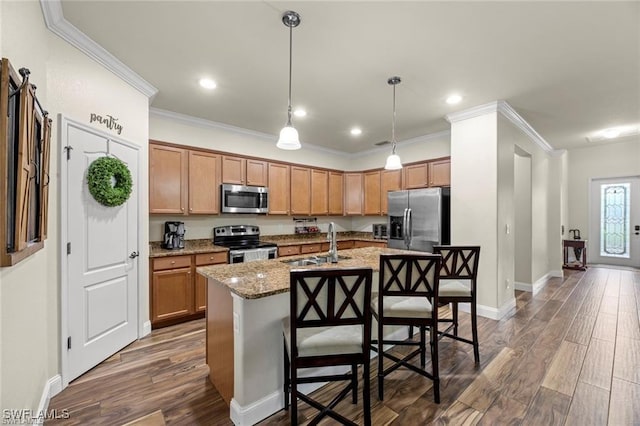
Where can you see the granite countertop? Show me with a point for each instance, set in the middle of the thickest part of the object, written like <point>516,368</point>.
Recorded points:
<point>296,239</point>
<point>254,280</point>
<point>190,247</point>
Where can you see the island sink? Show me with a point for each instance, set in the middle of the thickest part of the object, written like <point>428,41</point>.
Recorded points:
<point>310,261</point>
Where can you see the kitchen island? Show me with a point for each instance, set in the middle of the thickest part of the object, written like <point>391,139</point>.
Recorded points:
<point>246,305</point>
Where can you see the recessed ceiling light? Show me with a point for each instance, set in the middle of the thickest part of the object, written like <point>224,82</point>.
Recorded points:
<point>299,112</point>
<point>614,132</point>
<point>207,83</point>
<point>454,99</point>
<point>356,131</point>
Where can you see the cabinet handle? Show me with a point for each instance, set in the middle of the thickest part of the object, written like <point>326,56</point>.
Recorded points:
<point>181,209</point>
<point>189,273</point>
<point>173,261</point>
<point>191,209</point>
<point>211,258</point>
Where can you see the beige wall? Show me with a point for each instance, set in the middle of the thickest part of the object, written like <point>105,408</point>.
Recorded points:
<point>71,84</point>
<point>600,161</point>
<point>522,218</point>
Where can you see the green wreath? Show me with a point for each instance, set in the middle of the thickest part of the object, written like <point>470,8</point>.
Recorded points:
<point>109,181</point>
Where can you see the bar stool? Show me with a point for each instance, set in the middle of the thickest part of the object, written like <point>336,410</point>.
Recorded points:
<point>458,282</point>
<point>408,295</point>
<point>329,325</point>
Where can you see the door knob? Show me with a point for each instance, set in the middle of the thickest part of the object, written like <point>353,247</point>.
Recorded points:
<point>134,254</point>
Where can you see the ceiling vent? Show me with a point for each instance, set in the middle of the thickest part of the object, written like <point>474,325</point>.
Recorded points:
<point>382,143</point>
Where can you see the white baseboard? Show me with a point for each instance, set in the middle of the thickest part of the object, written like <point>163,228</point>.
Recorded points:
<point>52,387</point>
<point>489,311</point>
<point>523,286</point>
<point>274,402</point>
<point>539,284</point>
<point>146,328</point>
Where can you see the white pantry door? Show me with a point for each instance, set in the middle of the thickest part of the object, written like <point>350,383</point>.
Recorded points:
<point>614,237</point>
<point>102,268</point>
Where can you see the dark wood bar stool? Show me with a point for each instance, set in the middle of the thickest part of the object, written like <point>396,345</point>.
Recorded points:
<point>408,295</point>
<point>329,325</point>
<point>458,284</point>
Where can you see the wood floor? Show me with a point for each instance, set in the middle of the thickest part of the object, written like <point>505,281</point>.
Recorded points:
<point>568,355</point>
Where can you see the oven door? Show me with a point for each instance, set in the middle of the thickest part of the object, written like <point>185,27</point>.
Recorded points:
<point>249,255</point>
<point>244,199</point>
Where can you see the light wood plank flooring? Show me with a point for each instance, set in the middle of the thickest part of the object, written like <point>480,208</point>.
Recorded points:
<point>570,355</point>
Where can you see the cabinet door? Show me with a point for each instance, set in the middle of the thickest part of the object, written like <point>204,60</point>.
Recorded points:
<point>353,193</point>
<point>300,190</point>
<point>288,251</point>
<point>167,179</point>
<point>278,188</point>
<point>319,191</point>
<point>204,183</point>
<point>416,176</point>
<point>171,294</point>
<point>440,173</point>
<point>201,293</point>
<point>336,191</point>
<point>233,170</point>
<point>372,193</point>
<point>257,173</point>
<point>391,180</point>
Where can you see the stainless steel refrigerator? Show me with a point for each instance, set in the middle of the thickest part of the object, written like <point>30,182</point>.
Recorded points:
<point>418,219</point>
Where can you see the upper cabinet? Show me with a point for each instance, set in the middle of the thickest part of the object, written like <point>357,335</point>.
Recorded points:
<point>353,194</point>
<point>320,192</point>
<point>242,171</point>
<point>390,180</point>
<point>300,190</point>
<point>416,176</point>
<point>279,184</point>
<point>336,191</point>
<point>372,192</point>
<point>168,179</point>
<point>440,173</point>
<point>204,187</point>
<point>183,181</point>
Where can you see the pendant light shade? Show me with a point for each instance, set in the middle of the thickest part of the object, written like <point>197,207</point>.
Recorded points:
<point>393,160</point>
<point>289,135</point>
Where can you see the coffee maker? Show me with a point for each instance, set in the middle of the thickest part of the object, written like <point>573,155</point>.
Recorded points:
<point>173,235</point>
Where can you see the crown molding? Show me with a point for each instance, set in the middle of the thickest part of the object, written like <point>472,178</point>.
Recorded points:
<point>509,113</point>
<point>557,152</point>
<point>56,23</point>
<point>203,122</point>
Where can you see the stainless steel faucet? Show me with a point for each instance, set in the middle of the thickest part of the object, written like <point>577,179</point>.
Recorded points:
<point>333,245</point>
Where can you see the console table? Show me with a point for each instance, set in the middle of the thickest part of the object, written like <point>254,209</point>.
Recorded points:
<point>581,264</point>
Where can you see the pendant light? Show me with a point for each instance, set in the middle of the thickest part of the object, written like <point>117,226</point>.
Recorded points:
<point>289,135</point>
<point>393,161</point>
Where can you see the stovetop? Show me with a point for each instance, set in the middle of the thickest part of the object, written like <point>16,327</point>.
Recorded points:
<point>239,237</point>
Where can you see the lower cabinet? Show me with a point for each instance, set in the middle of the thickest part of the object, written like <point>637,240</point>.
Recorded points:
<point>360,244</point>
<point>178,293</point>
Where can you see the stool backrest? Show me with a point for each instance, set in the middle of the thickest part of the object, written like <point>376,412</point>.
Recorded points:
<point>459,262</point>
<point>330,297</point>
<point>409,275</point>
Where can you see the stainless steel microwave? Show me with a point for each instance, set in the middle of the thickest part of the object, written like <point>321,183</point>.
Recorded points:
<point>244,199</point>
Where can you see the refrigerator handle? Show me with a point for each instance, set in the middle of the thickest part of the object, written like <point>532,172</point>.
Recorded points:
<point>404,226</point>
<point>409,228</point>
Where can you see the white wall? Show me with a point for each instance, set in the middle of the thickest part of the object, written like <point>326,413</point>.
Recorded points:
<point>522,218</point>
<point>600,161</point>
<point>68,83</point>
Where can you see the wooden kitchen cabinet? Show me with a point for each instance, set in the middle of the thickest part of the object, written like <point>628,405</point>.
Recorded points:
<point>320,192</point>
<point>336,193</point>
<point>172,292</point>
<point>311,248</point>
<point>440,173</point>
<point>416,176</point>
<point>244,171</point>
<point>345,245</point>
<point>288,251</point>
<point>177,292</point>
<point>390,180</point>
<point>204,187</point>
<point>353,194</point>
<point>168,179</point>
<point>372,192</point>
<point>360,244</point>
<point>300,190</point>
<point>279,184</point>
<point>183,181</point>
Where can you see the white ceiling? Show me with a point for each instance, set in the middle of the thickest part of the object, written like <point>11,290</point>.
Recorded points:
<point>569,69</point>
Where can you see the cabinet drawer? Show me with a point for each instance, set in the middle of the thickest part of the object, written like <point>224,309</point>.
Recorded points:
<point>211,258</point>
<point>342,245</point>
<point>171,262</point>
<point>288,251</point>
<point>311,248</point>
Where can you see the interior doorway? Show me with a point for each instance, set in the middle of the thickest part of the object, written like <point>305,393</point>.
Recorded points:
<point>614,222</point>
<point>522,219</point>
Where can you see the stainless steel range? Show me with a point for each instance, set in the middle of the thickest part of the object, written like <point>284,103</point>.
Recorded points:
<point>244,243</point>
